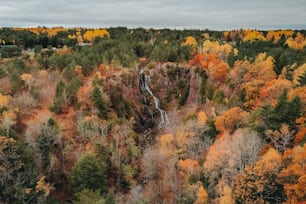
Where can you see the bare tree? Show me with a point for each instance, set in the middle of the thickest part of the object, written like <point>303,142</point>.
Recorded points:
<point>24,102</point>
<point>8,119</point>
<point>281,139</point>
<point>160,176</point>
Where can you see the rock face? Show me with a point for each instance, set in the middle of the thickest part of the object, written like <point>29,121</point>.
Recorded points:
<point>152,92</point>
<point>144,85</point>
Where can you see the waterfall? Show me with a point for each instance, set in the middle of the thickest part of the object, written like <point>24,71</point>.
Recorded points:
<point>145,87</point>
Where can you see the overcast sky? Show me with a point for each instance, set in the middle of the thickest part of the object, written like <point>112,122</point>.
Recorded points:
<point>201,14</point>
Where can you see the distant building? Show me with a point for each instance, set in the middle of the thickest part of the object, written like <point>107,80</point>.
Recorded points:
<point>83,44</point>
<point>9,51</point>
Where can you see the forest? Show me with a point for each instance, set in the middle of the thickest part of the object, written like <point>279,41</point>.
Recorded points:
<point>141,116</point>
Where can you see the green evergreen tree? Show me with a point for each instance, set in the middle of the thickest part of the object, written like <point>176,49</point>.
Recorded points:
<point>45,141</point>
<point>185,94</point>
<point>60,88</point>
<point>302,79</point>
<point>285,111</point>
<point>88,173</point>
<point>99,103</point>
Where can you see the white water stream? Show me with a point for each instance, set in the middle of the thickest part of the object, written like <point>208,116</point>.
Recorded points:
<point>145,87</point>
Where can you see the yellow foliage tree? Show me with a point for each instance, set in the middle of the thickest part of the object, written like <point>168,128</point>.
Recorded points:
<point>43,186</point>
<point>191,41</point>
<point>297,43</point>
<point>90,35</point>
<point>202,196</point>
<point>3,100</point>
<point>213,47</point>
<point>8,118</point>
<point>189,167</point>
<point>297,73</point>
<point>202,118</point>
<point>252,35</point>
<point>275,35</point>
<point>28,78</point>
<point>227,197</point>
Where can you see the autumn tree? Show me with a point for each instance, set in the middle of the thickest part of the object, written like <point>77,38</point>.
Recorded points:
<point>25,103</point>
<point>18,174</point>
<point>90,35</point>
<point>28,78</point>
<point>292,176</point>
<point>254,79</point>
<point>258,183</point>
<point>270,117</point>
<point>231,119</point>
<point>296,43</point>
<point>4,100</point>
<point>217,72</point>
<point>8,119</point>
<point>271,91</point>
<point>228,156</point>
<point>92,127</point>
<point>253,35</point>
<point>227,197</point>
<point>281,139</point>
<point>160,173</point>
<point>202,196</point>
<point>276,35</point>
<point>9,166</point>
<point>298,74</point>
<point>192,42</point>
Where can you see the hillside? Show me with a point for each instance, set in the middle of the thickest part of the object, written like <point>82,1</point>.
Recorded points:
<point>124,115</point>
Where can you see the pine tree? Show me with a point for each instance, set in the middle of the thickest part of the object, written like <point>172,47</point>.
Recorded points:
<point>302,79</point>
<point>99,103</point>
<point>88,173</point>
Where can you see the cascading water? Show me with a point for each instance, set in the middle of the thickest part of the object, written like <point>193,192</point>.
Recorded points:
<point>145,87</point>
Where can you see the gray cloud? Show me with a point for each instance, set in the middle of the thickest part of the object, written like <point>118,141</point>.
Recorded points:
<point>213,14</point>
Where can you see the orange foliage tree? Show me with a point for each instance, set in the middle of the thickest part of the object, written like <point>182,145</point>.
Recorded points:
<point>270,92</point>
<point>231,119</point>
<point>188,167</point>
<point>258,184</point>
<point>237,73</point>
<point>260,72</point>
<point>262,69</point>
<point>217,72</point>
<point>3,100</point>
<point>293,176</point>
<point>216,69</point>
<point>202,196</point>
